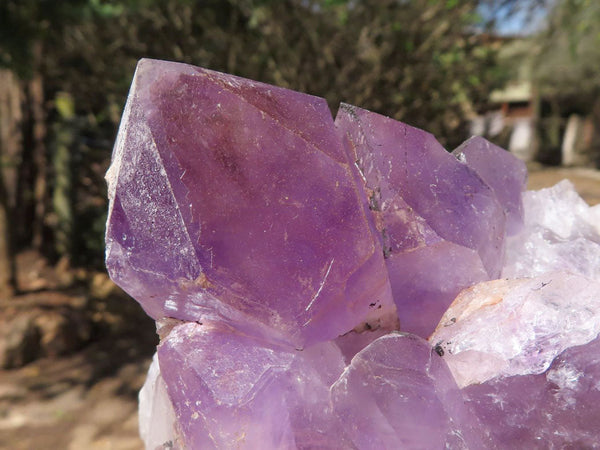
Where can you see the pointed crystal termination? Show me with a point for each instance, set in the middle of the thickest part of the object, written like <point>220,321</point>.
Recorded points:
<point>442,226</point>
<point>250,222</point>
<point>234,199</point>
<point>500,170</point>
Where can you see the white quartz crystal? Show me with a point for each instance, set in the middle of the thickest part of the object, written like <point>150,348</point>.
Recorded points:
<point>156,415</point>
<point>561,232</point>
<point>516,327</point>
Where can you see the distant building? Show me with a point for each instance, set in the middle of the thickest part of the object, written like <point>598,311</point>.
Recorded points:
<point>535,128</point>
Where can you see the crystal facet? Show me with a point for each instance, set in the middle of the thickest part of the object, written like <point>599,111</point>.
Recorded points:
<point>399,393</point>
<point>501,171</point>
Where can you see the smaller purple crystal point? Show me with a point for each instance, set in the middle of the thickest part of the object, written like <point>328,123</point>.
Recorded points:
<point>502,171</point>
<point>430,209</point>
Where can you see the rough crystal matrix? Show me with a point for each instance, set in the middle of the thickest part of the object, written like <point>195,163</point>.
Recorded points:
<point>295,263</point>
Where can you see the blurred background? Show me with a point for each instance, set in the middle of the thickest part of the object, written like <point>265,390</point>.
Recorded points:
<point>73,348</point>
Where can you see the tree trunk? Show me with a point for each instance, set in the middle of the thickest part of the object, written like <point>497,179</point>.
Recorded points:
<point>62,196</point>
<point>10,153</point>
<point>8,278</point>
<point>35,95</point>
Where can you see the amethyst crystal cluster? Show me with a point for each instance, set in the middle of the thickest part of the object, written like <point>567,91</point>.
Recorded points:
<point>349,283</point>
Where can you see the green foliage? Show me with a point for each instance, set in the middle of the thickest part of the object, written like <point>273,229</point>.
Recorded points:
<point>23,23</point>
<point>419,61</point>
<point>107,9</point>
<point>566,53</point>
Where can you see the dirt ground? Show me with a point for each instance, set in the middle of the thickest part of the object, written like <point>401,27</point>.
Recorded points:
<point>586,181</point>
<point>88,399</point>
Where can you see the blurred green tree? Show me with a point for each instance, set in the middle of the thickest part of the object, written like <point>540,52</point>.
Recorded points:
<point>566,53</point>
<point>426,62</point>
<point>26,27</point>
<point>564,62</point>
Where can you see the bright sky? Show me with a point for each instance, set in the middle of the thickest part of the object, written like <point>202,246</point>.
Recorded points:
<point>521,22</point>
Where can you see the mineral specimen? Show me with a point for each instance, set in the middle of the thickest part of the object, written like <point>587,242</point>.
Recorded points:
<point>280,252</point>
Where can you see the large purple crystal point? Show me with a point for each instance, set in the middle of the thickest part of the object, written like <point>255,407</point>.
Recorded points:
<point>442,226</point>
<point>235,199</point>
